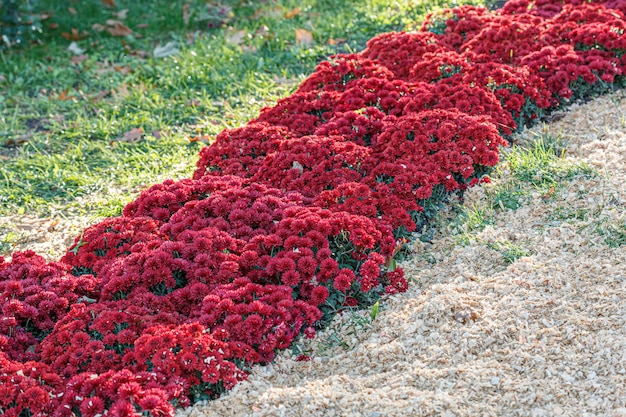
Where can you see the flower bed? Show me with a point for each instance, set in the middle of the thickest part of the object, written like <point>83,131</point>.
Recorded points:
<point>293,217</point>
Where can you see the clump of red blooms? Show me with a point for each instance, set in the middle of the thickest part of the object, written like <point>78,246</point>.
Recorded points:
<point>293,217</point>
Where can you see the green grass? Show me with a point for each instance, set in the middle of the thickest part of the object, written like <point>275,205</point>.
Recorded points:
<point>473,218</point>
<point>61,121</point>
<point>542,166</point>
<point>564,214</point>
<point>7,240</point>
<point>525,171</point>
<point>612,230</point>
<point>510,252</point>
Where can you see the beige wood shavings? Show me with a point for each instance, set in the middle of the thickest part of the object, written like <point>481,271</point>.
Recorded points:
<point>544,335</point>
<point>48,237</point>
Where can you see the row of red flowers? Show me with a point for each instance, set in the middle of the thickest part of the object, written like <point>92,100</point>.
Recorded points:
<point>293,217</point>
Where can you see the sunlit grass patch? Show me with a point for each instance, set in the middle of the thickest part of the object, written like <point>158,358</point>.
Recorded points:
<point>63,113</point>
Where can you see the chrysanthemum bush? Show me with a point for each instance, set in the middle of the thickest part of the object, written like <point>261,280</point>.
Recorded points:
<point>292,218</point>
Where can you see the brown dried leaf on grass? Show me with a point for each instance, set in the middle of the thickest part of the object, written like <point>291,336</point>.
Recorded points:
<point>191,37</point>
<point>186,14</point>
<point>99,96</point>
<point>77,59</point>
<point>304,37</point>
<point>75,49</point>
<point>17,141</point>
<point>236,37</point>
<point>74,35</point>
<point>117,28</point>
<point>109,3</point>
<point>292,13</point>
<point>158,134</point>
<point>120,92</point>
<point>140,53</point>
<point>262,32</point>
<point>134,135</point>
<point>64,96</point>
<point>248,49</point>
<point>200,138</point>
<point>162,51</point>
<point>107,67</point>
<point>332,41</point>
<point>121,15</point>
<point>123,69</point>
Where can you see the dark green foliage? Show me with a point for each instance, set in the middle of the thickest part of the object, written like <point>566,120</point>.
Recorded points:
<point>18,23</point>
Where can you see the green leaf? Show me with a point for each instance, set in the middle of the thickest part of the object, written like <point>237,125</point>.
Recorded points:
<point>374,311</point>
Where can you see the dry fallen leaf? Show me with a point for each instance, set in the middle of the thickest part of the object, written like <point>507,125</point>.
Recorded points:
<point>199,138</point>
<point>304,37</point>
<point>186,14</point>
<point>191,37</point>
<point>158,134</point>
<point>390,264</point>
<point>75,49</point>
<point>63,96</point>
<point>77,59</point>
<point>162,51</point>
<point>101,94</point>
<point>292,13</point>
<point>466,315</point>
<point>109,3</point>
<point>140,53</point>
<point>53,224</point>
<point>332,41</point>
<point>123,69</point>
<point>17,141</point>
<point>122,14</point>
<point>74,35</point>
<point>53,26</point>
<point>248,49</point>
<point>121,91</point>
<point>236,37</point>
<point>72,10</point>
<point>297,166</point>
<point>98,27</point>
<point>263,31</point>
<point>199,127</point>
<point>548,194</point>
<point>133,135</point>
<point>117,28</point>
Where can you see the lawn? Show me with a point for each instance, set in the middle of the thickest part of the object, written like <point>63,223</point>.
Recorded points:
<point>90,116</point>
